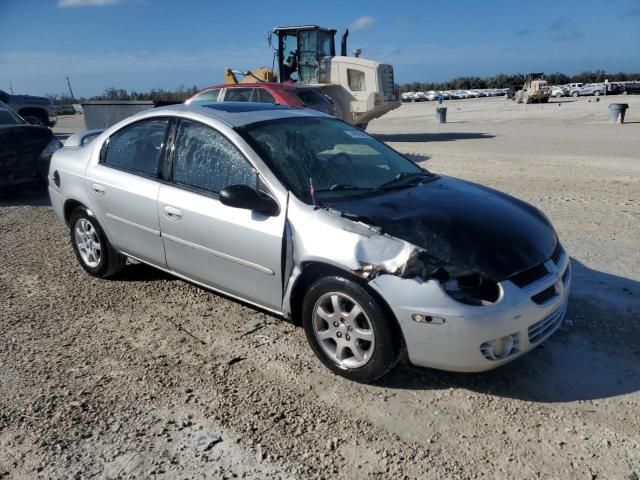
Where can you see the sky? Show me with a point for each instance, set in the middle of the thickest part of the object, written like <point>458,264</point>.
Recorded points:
<point>145,44</point>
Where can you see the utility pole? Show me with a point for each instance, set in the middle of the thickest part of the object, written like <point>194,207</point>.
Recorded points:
<point>11,87</point>
<point>73,99</point>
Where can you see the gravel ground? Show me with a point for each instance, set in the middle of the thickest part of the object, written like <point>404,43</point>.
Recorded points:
<point>146,376</point>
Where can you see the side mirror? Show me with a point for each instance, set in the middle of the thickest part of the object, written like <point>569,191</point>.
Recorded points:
<point>243,196</point>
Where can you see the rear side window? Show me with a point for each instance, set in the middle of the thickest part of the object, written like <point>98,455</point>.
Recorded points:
<point>238,94</point>
<point>206,160</point>
<point>138,147</point>
<point>209,96</point>
<point>264,96</point>
<point>312,98</point>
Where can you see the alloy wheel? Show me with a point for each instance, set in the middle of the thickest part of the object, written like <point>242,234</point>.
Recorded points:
<point>343,330</point>
<point>88,243</point>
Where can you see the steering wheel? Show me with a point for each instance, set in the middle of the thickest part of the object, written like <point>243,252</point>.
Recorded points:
<point>341,159</point>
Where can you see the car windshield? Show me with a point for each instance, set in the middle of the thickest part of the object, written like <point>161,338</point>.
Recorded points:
<point>337,159</point>
<point>8,117</point>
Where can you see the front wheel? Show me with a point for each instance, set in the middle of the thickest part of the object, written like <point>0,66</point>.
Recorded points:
<point>575,94</point>
<point>348,330</point>
<point>92,249</point>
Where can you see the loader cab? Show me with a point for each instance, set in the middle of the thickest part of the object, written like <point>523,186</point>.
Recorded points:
<point>300,52</point>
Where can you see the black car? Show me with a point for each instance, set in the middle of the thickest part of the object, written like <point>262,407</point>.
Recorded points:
<point>25,150</point>
<point>630,87</point>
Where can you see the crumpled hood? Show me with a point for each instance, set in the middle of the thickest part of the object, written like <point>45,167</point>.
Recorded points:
<point>462,226</point>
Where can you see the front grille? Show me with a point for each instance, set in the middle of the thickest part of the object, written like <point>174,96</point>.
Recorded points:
<point>523,279</point>
<point>542,329</point>
<point>545,295</point>
<point>388,82</point>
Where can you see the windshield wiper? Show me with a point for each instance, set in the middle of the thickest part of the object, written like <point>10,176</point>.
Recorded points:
<point>405,179</point>
<point>343,187</point>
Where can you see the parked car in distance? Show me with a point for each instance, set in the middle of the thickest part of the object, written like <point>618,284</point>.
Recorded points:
<point>295,211</point>
<point>559,91</point>
<point>35,110</point>
<point>595,89</point>
<point>25,150</point>
<point>279,93</point>
<point>630,88</point>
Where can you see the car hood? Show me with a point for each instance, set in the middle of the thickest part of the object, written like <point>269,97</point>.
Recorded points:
<point>463,227</point>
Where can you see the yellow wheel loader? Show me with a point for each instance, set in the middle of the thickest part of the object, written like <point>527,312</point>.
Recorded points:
<point>535,90</point>
<point>360,89</point>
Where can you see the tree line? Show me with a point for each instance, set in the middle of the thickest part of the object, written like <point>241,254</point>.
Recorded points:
<point>180,94</point>
<point>501,80</point>
<point>508,80</point>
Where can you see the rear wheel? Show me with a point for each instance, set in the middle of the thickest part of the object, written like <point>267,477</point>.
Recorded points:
<point>348,331</point>
<point>558,94</point>
<point>575,94</point>
<point>596,93</point>
<point>90,244</point>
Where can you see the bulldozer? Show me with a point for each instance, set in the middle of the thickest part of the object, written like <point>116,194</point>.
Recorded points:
<point>535,90</point>
<point>360,89</point>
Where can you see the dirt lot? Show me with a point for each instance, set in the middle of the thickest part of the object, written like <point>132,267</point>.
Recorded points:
<point>146,376</point>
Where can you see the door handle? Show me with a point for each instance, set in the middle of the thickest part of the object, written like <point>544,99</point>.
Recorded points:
<point>98,189</point>
<point>172,213</point>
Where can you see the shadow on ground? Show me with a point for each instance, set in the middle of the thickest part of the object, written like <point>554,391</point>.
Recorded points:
<point>595,355</point>
<point>430,137</point>
<point>27,195</point>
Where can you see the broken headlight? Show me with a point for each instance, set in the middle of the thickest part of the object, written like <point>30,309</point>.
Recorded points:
<point>472,289</point>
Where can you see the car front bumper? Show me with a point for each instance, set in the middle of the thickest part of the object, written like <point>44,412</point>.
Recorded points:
<point>467,338</point>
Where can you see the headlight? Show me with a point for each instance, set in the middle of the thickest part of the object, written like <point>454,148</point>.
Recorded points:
<point>50,149</point>
<point>473,289</point>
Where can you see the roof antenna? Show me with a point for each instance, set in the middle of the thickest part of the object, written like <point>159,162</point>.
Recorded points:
<point>312,193</point>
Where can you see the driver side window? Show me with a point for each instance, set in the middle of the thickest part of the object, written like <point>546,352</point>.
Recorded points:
<point>205,160</point>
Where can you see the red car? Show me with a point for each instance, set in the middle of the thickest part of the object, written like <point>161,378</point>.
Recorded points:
<point>281,93</point>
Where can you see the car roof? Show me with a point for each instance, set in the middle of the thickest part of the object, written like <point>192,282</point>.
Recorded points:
<point>238,114</point>
<point>265,85</point>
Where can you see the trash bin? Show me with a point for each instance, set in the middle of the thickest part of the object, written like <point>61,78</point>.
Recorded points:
<point>441,114</point>
<point>103,114</point>
<point>617,110</point>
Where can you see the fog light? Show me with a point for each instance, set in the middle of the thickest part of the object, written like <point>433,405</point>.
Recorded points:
<point>501,348</point>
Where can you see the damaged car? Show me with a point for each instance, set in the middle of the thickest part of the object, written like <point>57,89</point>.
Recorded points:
<point>305,216</point>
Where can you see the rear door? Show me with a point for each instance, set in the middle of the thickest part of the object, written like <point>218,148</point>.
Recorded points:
<point>234,250</point>
<point>124,187</point>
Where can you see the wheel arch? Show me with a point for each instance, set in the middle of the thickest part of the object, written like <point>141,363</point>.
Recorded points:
<point>314,270</point>
<point>36,111</point>
<point>69,206</point>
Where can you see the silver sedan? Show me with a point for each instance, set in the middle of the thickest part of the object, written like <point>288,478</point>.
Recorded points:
<point>303,215</point>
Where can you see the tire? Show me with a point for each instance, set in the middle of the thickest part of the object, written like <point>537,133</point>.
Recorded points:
<point>575,94</point>
<point>596,93</point>
<point>558,95</point>
<point>370,346</point>
<point>95,254</point>
<point>624,93</point>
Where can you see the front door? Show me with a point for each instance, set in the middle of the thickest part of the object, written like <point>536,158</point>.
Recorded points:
<point>234,250</point>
